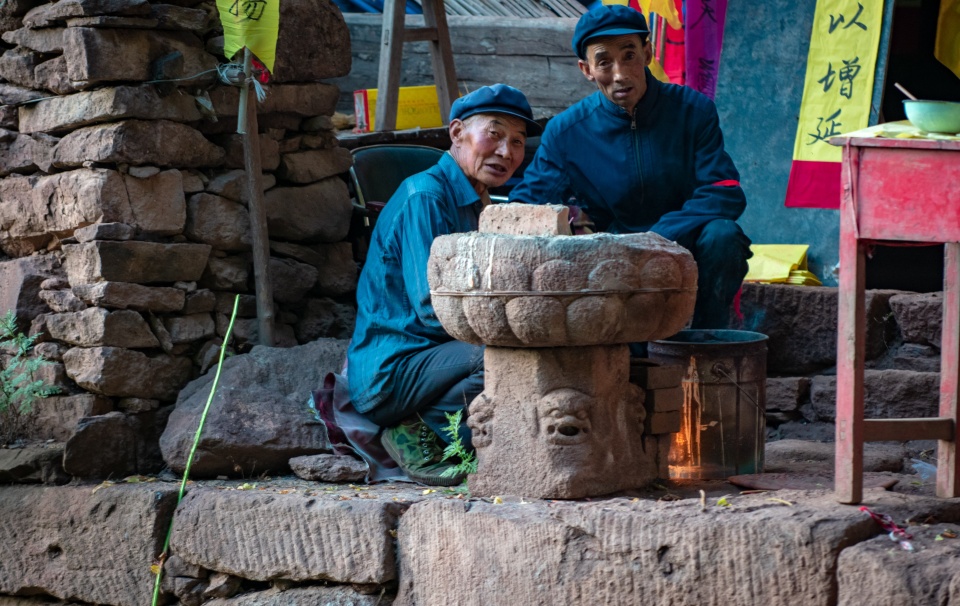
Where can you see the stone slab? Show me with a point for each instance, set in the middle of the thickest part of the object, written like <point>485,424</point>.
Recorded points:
<point>20,281</point>
<point>124,295</point>
<point>137,142</point>
<point>526,220</point>
<point>48,536</point>
<point>302,596</point>
<point>787,394</point>
<point>807,480</point>
<point>56,417</point>
<point>296,538</point>
<point>612,552</point>
<point>314,43</point>
<point>314,165</point>
<point>96,326</point>
<point>45,15</point>
<point>219,222</point>
<point>650,374</point>
<point>660,423</point>
<point>319,212</point>
<point>32,465</point>
<point>307,100</point>
<point>69,112</point>
<point>920,317</point>
<point>22,154</point>
<point>888,394</point>
<point>134,261</point>
<point>112,371</point>
<point>329,468</point>
<point>337,269</point>
<point>104,231</point>
<point>664,400</point>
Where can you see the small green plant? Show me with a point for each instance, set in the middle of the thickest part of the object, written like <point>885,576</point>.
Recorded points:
<point>18,387</point>
<point>468,460</point>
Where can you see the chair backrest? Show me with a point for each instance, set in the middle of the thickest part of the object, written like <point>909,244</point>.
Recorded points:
<point>379,170</point>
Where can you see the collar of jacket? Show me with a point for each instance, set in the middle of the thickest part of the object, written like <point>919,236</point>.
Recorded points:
<point>463,192</point>
<point>644,106</point>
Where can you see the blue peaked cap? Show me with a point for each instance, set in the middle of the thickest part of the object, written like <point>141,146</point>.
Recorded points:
<point>607,20</point>
<point>496,99</point>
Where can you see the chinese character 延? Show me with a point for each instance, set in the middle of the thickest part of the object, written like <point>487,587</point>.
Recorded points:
<point>848,72</point>
<point>836,21</point>
<point>826,127</point>
<point>251,9</point>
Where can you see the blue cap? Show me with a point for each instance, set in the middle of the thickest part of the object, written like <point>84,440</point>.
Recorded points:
<point>495,99</point>
<point>607,20</point>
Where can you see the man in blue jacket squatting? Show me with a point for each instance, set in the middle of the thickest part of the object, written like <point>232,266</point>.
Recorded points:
<point>405,371</point>
<point>640,155</point>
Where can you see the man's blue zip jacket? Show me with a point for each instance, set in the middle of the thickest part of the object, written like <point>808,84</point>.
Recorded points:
<point>395,318</point>
<point>663,169</point>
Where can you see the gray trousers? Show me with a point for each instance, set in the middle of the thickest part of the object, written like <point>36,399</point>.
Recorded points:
<point>429,384</point>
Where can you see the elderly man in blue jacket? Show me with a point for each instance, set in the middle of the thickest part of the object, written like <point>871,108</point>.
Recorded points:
<point>640,155</point>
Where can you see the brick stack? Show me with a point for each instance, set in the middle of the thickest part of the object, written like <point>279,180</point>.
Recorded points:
<point>663,401</point>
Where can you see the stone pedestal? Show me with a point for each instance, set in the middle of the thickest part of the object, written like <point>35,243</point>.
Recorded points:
<point>560,422</point>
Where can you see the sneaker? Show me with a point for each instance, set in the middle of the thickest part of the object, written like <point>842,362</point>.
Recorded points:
<point>419,452</point>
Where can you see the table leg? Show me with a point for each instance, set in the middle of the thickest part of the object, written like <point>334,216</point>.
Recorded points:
<point>948,474</point>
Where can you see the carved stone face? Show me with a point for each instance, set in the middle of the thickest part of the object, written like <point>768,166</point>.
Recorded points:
<point>565,418</point>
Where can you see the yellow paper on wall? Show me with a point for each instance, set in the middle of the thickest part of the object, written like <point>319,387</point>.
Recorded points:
<point>947,48</point>
<point>254,24</point>
<point>838,85</point>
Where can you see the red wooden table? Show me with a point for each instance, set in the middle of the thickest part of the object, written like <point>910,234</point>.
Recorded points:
<point>895,190</point>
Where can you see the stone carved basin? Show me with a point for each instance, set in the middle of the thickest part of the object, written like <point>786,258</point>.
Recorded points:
<point>558,291</point>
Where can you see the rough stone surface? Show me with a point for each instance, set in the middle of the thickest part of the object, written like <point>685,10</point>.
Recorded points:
<point>158,142</point>
<point>232,145</point>
<point>11,94</point>
<point>232,185</point>
<point>801,322</point>
<point>888,394</point>
<point>219,222</point>
<point>173,17</point>
<point>318,213</point>
<point>116,445</point>
<point>9,117</point>
<point>200,301</point>
<point>20,281</point>
<point>104,231</point>
<point>116,55</point>
<point>788,455</point>
<point>258,420</point>
<point>56,417</point>
<point>17,66</point>
<point>45,15</point>
<point>787,393</point>
<point>612,267</point>
<point>522,220</point>
<point>189,328</point>
<point>873,573</point>
<point>134,261</point>
<point>113,371</point>
<point>157,202</point>
<point>52,75</point>
<point>294,538</point>
<point>921,358</point>
<point>651,374</point>
<point>46,40</point>
<point>47,536</point>
<point>614,551</point>
<point>97,326</point>
<point>33,464</point>
<point>329,468</point>
<point>227,273</point>
<point>306,100</point>
<point>558,423</point>
<point>291,280</point>
<point>62,114</point>
<point>314,43</point>
<point>304,596</point>
<point>22,154</point>
<point>62,300</point>
<point>337,270</point>
<point>314,165</point>
<point>920,317</point>
<point>124,295</point>
<point>325,318</point>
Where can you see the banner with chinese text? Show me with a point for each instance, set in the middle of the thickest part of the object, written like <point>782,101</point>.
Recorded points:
<point>837,92</point>
<point>254,24</point>
<point>704,39</point>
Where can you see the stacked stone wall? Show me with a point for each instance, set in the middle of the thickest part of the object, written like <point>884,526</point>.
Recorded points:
<point>124,227</point>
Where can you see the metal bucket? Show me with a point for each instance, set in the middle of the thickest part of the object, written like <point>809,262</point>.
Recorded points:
<point>723,426</point>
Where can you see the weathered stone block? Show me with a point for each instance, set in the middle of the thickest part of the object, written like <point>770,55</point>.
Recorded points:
<point>62,301</point>
<point>103,447</point>
<point>621,550</point>
<point>668,399</point>
<point>46,15</point>
<point>305,100</point>
<point>46,40</point>
<point>314,165</point>
<point>329,468</point>
<point>314,43</point>
<point>920,358</point>
<point>17,65</point>
<point>56,417</point>
<point>888,394</point>
<point>52,75</point>
<point>920,317</point>
<point>116,55</point>
<point>227,273</point>
<point>104,231</point>
<point>325,318</point>
<point>113,371</point>
<point>318,212</point>
<point>787,393</point>
<point>233,147</point>
<point>62,114</point>
<point>219,222</point>
<point>11,94</point>
<point>189,328</point>
<point>651,374</point>
<point>134,261</point>
<point>334,595</point>
<point>256,423</point>
<point>233,185</point>
<point>659,423</point>
<point>524,220</point>
<point>97,326</point>
<point>789,455</point>
<point>159,142</point>
<point>114,22</point>
<point>200,301</point>
<point>169,16</point>
<point>9,117</point>
<point>123,295</point>
<point>550,420</point>
<point>291,280</point>
<point>48,534</point>
<point>205,534</point>
<point>33,465</point>
<point>337,269</point>
<point>23,154</point>
<point>20,281</point>
<point>801,322</point>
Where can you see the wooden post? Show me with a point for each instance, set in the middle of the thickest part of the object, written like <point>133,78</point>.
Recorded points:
<point>248,129</point>
<point>948,472</point>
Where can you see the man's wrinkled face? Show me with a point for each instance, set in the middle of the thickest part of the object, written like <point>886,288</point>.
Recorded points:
<point>616,64</point>
<point>488,147</point>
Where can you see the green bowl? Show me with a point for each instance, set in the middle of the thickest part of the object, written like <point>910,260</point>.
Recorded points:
<point>934,116</point>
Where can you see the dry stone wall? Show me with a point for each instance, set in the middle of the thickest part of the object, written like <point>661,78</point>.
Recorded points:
<point>124,224</point>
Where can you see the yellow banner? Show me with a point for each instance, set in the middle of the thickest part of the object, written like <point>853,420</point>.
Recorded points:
<point>254,24</point>
<point>838,86</point>
<point>947,49</point>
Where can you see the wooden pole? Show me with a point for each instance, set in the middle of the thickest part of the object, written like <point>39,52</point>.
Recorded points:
<point>248,129</point>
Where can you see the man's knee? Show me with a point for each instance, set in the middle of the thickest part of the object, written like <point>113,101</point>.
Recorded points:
<point>723,236</point>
